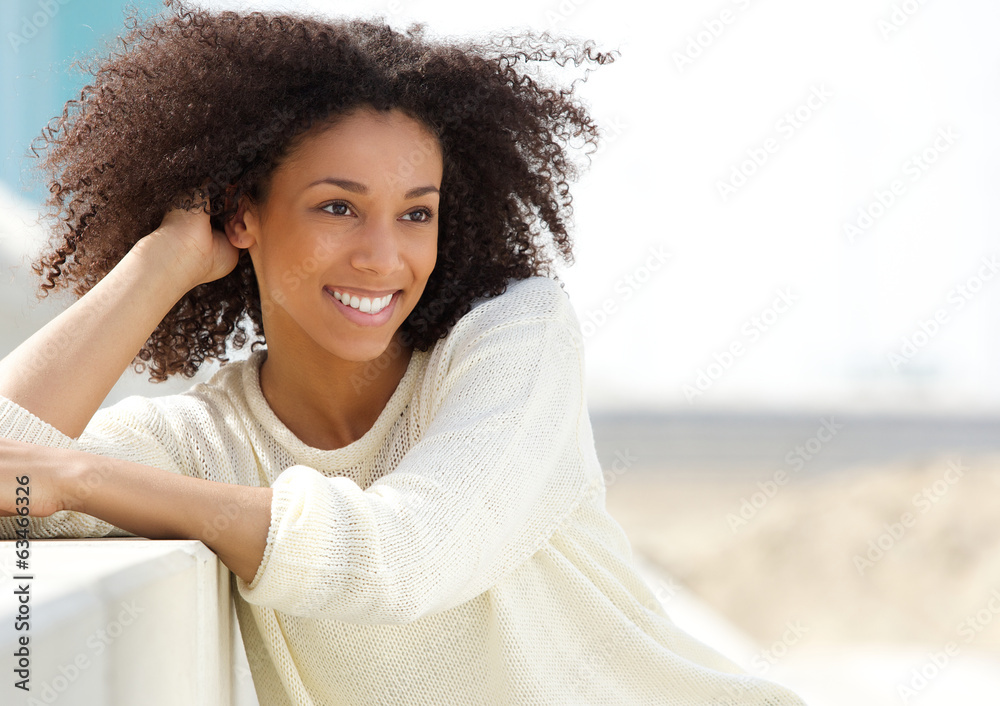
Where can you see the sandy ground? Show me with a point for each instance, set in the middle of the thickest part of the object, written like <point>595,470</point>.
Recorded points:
<point>864,574</point>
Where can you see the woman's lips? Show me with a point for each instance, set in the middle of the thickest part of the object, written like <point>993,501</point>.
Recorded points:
<point>361,318</point>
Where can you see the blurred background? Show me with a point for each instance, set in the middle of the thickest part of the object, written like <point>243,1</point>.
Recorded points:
<point>788,279</point>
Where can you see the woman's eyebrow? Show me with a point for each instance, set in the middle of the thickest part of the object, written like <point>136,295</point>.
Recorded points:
<point>359,188</point>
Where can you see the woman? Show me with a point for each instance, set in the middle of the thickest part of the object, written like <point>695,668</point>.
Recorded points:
<point>414,511</point>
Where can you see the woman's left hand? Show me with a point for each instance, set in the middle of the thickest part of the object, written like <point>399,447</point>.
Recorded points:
<point>33,476</point>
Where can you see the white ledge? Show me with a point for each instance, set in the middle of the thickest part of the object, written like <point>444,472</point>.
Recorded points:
<point>123,621</point>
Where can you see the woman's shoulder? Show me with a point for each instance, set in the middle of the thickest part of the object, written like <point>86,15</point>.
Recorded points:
<point>228,386</point>
<point>205,404</point>
<point>533,299</point>
<point>532,317</point>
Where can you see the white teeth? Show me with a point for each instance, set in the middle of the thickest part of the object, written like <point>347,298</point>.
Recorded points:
<point>364,304</point>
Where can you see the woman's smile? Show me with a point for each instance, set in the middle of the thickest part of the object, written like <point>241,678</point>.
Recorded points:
<point>360,309</point>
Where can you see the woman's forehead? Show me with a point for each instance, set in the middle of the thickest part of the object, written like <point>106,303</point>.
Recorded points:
<point>369,158</point>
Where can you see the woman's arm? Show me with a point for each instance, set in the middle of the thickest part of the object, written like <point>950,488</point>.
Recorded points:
<point>65,370</point>
<point>232,520</point>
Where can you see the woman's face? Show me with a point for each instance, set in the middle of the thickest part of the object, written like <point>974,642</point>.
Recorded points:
<point>350,223</point>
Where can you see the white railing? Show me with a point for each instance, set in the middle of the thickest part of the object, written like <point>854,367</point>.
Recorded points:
<point>120,622</point>
<point>131,621</point>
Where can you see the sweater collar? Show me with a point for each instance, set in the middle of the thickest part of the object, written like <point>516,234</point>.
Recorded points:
<point>355,452</point>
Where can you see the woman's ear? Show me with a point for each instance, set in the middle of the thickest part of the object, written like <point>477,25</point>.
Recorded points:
<point>241,227</point>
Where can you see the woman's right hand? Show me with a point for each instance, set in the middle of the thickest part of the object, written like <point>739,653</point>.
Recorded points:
<point>201,253</point>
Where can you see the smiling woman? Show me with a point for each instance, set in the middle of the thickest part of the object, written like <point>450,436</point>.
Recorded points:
<point>371,238</point>
<point>414,509</point>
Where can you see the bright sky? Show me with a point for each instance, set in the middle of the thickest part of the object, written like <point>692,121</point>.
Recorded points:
<point>794,205</point>
<point>743,139</point>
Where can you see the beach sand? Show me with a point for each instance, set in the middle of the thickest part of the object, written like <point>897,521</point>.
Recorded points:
<point>899,560</point>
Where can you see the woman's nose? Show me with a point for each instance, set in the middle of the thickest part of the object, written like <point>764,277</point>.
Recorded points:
<point>377,248</point>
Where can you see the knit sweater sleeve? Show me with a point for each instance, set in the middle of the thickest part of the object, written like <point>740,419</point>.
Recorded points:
<point>497,472</point>
<point>134,429</point>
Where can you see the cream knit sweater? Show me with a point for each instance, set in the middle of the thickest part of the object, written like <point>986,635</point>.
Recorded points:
<point>458,553</point>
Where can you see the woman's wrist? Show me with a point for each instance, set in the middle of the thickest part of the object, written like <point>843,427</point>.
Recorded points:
<point>159,258</point>
<point>76,479</point>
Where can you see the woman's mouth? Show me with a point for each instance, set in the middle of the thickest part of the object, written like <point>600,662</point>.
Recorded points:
<point>364,311</point>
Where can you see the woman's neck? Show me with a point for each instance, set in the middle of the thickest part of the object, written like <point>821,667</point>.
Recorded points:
<point>330,404</point>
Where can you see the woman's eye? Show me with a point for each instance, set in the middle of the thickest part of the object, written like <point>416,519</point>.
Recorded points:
<point>336,206</point>
<point>424,212</point>
<point>341,208</point>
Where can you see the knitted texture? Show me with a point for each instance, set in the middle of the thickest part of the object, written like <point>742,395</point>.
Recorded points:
<point>459,552</point>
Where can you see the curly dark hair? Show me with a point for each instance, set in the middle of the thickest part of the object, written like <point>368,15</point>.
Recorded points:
<point>195,98</point>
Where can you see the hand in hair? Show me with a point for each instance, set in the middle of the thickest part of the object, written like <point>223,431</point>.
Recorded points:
<point>187,239</point>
